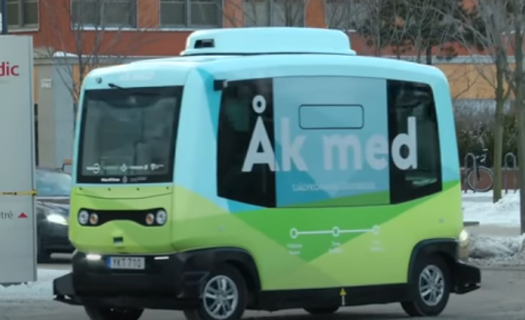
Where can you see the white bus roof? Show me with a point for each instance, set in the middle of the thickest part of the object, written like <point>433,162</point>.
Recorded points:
<point>267,40</point>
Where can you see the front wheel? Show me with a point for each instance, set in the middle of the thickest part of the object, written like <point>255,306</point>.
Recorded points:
<point>430,283</point>
<point>481,181</point>
<point>223,296</point>
<point>106,313</point>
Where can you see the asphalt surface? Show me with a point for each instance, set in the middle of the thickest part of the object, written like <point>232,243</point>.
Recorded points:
<point>501,297</point>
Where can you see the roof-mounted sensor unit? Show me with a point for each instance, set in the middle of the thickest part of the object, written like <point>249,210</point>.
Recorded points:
<point>267,40</point>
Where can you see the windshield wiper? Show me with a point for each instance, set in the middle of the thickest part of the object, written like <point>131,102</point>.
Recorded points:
<point>114,86</point>
<point>136,91</point>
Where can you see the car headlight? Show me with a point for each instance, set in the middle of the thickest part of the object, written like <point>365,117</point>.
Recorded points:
<point>463,238</point>
<point>57,219</point>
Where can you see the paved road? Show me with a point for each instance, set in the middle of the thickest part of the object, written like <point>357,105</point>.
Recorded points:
<point>500,298</point>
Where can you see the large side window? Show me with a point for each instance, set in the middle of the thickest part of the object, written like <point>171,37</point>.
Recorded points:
<point>237,122</point>
<point>415,162</point>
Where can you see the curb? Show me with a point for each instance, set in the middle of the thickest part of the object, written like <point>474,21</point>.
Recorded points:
<point>502,268</point>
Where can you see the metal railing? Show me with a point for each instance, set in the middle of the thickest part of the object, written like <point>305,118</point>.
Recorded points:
<point>467,170</point>
<point>514,169</point>
<point>510,167</point>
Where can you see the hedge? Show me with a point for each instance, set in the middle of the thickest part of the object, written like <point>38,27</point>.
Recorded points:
<point>475,129</point>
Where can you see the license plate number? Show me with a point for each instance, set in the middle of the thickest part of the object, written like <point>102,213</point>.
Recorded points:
<point>127,263</point>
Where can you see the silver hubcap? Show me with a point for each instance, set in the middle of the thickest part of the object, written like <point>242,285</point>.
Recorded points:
<point>431,285</point>
<point>220,297</point>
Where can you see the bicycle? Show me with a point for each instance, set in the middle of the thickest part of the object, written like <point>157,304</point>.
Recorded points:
<point>480,178</point>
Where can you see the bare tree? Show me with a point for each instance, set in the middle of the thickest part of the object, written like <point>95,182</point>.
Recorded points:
<point>345,15</point>
<point>498,26</point>
<point>403,26</point>
<point>462,79</point>
<point>483,30</point>
<point>429,25</point>
<point>289,12</point>
<point>90,33</point>
<point>382,26</point>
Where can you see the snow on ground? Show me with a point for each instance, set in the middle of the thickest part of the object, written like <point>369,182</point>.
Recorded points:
<point>497,250</point>
<point>42,289</point>
<point>494,248</point>
<point>504,212</point>
<point>470,194</point>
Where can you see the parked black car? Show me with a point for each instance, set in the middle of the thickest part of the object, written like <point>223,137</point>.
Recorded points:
<point>52,203</point>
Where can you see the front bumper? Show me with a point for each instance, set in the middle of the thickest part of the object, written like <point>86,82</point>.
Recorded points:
<point>167,283</point>
<point>467,278</point>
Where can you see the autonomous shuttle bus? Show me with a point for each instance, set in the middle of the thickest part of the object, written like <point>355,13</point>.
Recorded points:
<point>265,169</point>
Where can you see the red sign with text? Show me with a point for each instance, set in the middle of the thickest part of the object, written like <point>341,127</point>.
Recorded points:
<point>8,69</point>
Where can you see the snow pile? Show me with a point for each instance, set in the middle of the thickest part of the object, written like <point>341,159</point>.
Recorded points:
<point>504,212</point>
<point>39,290</point>
<point>510,202</point>
<point>497,251</point>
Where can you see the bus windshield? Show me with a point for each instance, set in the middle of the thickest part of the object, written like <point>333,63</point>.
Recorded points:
<point>128,135</point>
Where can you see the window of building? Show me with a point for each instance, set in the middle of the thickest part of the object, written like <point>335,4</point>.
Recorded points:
<point>22,14</point>
<point>412,111</point>
<point>345,14</point>
<point>191,13</point>
<point>284,13</point>
<point>104,13</point>
<point>237,121</point>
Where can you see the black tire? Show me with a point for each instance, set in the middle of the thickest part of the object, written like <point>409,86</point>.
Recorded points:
<point>236,280</point>
<point>42,256</point>
<point>419,307</point>
<point>105,313</point>
<point>484,185</point>
<point>322,311</point>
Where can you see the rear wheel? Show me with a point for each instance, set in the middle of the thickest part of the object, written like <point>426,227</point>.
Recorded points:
<point>481,181</point>
<point>223,296</point>
<point>430,284</point>
<point>105,313</point>
<point>322,311</point>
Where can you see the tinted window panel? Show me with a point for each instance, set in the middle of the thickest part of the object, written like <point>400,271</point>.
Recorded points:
<point>415,162</point>
<point>237,178</point>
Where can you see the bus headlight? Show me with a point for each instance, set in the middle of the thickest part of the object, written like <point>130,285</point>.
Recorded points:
<point>150,219</point>
<point>161,217</point>
<point>93,218</point>
<point>83,217</point>
<point>463,245</point>
<point>463,238</point>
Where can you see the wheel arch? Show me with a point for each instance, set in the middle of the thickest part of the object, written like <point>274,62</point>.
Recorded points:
<point>447,249</point>
<point>240,259</point>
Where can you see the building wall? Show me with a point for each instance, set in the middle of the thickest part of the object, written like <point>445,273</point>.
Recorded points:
<point>56,113</point>
<point>46,114</point>
<point>151,39</point>
<point>54,29</point>
<point>468,81</point>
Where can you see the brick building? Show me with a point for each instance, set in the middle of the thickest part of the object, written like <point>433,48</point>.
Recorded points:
<point>134,29</point>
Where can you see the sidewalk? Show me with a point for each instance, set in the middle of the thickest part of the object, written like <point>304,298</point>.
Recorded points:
<point>494,230</point>
<point>478,208</point>
<point>487,229</point>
